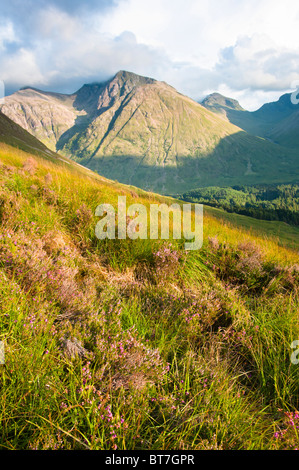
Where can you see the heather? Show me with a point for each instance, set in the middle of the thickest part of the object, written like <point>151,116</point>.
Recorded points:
<point>136,344</point>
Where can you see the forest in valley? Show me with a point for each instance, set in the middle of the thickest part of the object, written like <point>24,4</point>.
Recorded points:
<point>267,201</point>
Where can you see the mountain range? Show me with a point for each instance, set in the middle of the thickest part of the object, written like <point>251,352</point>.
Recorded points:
<point>143,132</point>
<point>278,121</point>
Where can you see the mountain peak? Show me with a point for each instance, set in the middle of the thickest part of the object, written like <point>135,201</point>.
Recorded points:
<point>133,78</point>
<point>121,79</point>
<point>216,99</point>
<point>29,88</point>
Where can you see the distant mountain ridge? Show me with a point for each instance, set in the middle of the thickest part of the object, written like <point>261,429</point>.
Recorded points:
<point>277,121</point>
<point>143,132</point>
<point>219,103</point>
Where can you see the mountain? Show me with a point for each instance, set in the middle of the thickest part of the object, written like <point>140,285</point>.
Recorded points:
<point>45,115</point>
<point>286,131</point>
<point>143,132</point>
<point>277,121</point>
<point>13,134</point>
<point>48,116</point>
<point>219,103</point>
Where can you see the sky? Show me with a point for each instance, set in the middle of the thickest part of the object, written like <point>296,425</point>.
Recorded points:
<point>244,49</point>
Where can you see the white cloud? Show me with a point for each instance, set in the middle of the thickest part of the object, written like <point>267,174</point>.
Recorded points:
<point>258,63</point>
<point>57,25</point>
<point>7,34</point>
<point>249,48</point>
<point>21,68</point>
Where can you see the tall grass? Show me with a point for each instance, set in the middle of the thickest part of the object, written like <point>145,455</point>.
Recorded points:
<point>135,344</point>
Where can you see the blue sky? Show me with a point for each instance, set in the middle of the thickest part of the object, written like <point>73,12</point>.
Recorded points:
<point>246,49</point>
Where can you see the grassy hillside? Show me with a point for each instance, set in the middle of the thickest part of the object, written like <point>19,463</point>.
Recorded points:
<point>282,234</point>
<point>286,132</point>
<point>136,344</point>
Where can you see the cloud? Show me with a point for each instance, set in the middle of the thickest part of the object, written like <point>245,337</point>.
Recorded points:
<point>197,46</point>
<point>21,67</point>
<point>70,52</point>
<point>7,35</point>
<point>254,70</point>
<point>257,63</point>
<point>16,8</point>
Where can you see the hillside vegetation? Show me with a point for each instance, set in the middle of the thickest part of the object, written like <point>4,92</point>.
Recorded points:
<point>136,344</point>
<point>268,202</point>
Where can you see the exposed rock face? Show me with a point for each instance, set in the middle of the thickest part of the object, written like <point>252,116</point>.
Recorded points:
<point>45,115</point>
<point>17,136</point>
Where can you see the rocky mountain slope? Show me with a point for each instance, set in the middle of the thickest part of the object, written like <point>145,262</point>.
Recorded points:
<point>45,115</point>
<point>15,135</point>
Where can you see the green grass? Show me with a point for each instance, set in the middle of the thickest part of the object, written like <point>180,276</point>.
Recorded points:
<point>283,234</point>
<point>136,344</point>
